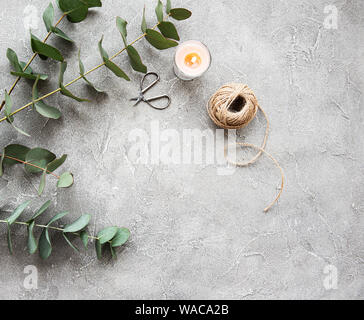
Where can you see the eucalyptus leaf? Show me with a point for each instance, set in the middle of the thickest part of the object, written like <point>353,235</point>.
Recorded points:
<point>1,163</point>
<point>8,236</point>
<point>39,157</point>
<point>41,210</point>
<point>120,237</point>
<point>13,59</point>
<point>82,73</point>
<point>8,107</point>
<point>92,3</point>
<point>41,107</point>
<point>110,65</point>
<point>58,32</point>
<point>159,11</point>
<point>98,248</point>
<point>121,25</point>
<point>144,22</point>
<point>76,10</point>
<point>56,163</point>
<point>168,7</point>
<point>48,17</point>
<point>44,244</point>
<point>17,212</point>
<point>28,69</point>
<point>45,50</point>
<point>84,238</point>
<point>15,151</point>
<point>65,91</point>
<point>107,234</point>
<point>168,30</point>
<point>57,217</point>
<point>112,251</point>
<point>65,180</point>
<point>27,72</point>
<point>29,76</point>
<point>135,60</point>
<point>42,183</point>
<point>180,13</point>
<point>158,41</point>
<point>79,224</point>
<point>32,243</point>
<point>70,243</point>
<point>9,118</point>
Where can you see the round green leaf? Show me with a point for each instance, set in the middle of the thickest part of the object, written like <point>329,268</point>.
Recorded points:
<point>180,13</point>
<point>65,180</point>
<point>121,237</point>
<point>39,157</point>
<point>15,151</point>
<point>168,30</point>
<point>79,224</point>
<point>107,234</point>
<point>158,41</point>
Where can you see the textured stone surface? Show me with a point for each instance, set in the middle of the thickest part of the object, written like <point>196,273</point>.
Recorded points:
<point>196,234</point>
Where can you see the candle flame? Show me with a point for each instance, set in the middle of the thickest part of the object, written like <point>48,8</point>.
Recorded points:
<point>193,60</point>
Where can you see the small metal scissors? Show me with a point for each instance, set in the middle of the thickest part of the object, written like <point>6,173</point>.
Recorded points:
<point>143,90</point>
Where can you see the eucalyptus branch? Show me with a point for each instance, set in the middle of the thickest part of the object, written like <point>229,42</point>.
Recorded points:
<point>31,59</point>
<point>29,164</point>
<point>114,237</point>
<point>163,40</point>
<point>79,77</point>
<point>36,160</point>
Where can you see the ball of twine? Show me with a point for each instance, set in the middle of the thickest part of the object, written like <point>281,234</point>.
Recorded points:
<point>234,106</point>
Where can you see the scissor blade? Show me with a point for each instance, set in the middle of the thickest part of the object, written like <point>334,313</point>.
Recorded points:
<point>137,99</point>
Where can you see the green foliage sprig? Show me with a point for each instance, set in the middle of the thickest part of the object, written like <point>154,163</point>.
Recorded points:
<point>22,69</point>
<point>111,237</point>
<point>76,11</point>
<point>36,160</point>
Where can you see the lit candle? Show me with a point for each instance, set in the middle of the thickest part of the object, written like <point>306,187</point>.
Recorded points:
<point>192,60</point>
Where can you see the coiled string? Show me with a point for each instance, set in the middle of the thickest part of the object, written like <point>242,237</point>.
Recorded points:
<point>234,106</point>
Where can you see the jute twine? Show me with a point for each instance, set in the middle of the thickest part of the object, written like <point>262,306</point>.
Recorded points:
<point>234,106</point>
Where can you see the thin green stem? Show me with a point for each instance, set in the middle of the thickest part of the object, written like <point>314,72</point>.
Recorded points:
<point>79,77</point>
<point>48,227</point>
<point>31,60</point>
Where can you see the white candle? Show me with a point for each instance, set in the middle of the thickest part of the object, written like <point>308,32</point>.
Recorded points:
<point>192,60</point>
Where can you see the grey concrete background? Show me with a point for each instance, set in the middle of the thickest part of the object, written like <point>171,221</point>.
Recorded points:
<point>196,234</point>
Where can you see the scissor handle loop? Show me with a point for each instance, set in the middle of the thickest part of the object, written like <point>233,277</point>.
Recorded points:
<point>142,89</point>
